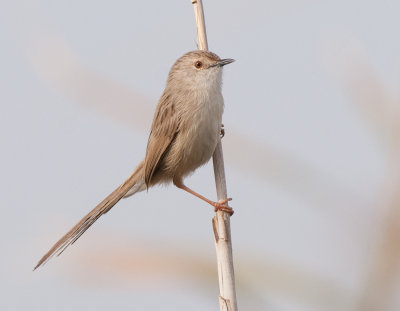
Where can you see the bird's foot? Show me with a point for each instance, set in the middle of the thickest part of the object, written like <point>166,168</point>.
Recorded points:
<point>220,206</point>
<point>222,132</point>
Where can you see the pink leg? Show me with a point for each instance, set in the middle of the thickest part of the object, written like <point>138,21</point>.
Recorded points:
<point>220,205</point>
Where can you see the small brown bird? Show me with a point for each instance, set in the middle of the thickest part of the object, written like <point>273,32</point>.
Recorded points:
<point>185,131</point>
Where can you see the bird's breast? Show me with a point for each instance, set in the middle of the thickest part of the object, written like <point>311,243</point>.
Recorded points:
<point>200,132</point>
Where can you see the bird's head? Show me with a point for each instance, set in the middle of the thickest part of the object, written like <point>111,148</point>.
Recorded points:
<point>198,69</point>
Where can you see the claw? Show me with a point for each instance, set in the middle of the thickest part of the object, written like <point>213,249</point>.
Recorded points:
<point>220,206</point>
<point>222,131</point>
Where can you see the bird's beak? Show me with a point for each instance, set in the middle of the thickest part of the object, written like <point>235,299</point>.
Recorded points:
<point>224,62</point>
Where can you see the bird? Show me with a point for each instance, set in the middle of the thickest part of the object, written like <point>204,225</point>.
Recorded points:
<point>186,127</point>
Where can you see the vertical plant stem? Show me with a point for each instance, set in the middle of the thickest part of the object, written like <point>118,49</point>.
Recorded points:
<point>221,221</point>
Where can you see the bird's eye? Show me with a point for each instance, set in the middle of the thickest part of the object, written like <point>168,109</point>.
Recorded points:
<point>198,64</point>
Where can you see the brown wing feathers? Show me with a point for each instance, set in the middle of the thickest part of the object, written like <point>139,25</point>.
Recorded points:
<point>163,131</point>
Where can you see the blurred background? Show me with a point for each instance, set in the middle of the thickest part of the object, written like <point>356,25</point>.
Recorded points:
<point>312,155</point>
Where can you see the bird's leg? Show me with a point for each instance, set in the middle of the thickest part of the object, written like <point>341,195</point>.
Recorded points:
<point>218,206</point>
<point>222,131</point>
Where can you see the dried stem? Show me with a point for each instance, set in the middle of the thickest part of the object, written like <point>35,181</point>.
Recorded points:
<point>221,221</point>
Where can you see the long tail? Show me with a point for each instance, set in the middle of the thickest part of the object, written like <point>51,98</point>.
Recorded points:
<point>134,182</point>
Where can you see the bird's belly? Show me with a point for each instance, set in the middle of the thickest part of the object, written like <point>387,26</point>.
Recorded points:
<point>197,140</point>
<point>203,141</point>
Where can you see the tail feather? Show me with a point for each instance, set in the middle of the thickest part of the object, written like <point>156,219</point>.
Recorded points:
<point>103,207</point>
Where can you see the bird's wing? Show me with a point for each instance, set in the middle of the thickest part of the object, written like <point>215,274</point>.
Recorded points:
<point>164,129</point>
